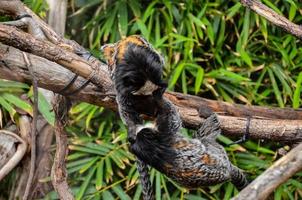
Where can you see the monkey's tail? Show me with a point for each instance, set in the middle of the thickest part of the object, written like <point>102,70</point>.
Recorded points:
<point>145,180</point>
<point>238,178</point>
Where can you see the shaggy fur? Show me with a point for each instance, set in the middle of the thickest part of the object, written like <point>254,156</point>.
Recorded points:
<point>190,162</point>
<point>136,70</point>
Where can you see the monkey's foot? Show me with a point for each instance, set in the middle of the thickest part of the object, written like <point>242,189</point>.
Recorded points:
<point>246,135</point>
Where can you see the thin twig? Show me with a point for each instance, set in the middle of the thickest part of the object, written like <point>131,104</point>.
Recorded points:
<point>15,159</point>
<point>273,17</point>
<point>61,107</point>
<point>34,127</point>
<point>277,174</point>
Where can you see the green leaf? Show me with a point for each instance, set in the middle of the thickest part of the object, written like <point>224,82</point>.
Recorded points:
<point>176,74</point>
<point>46,109</point>
<point>106,195</point>
<point>84,186</point>
<point>275,88</point>
<point>12,84</point>
<point>184,82</point>
<point>272,6</point>
<point>90,116</point>
<point>109,171</point>
<point>120,193</point>
<point>233,10</point>
<point>99,175</point>
<point>8,108</point>
<point>210,30</point>
<point>12,99</point>
<point>123,18</point>
<point>228,192</point>
<point>88,165</point>
<point>157,186</point>
<point>199,79</point>
<point>246,58</point>
<point>135,7</point>
<point>297,93</point>
<point>142,27</point>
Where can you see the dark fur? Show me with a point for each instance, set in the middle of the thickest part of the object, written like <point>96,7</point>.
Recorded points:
<point>190,162</point>
<point>138,65</point>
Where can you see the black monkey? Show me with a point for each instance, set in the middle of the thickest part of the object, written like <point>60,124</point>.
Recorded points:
<point>136,69</point>
<point>190,162</point>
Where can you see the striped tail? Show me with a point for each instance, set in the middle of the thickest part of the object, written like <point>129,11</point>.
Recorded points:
<point>145,180</point>
<point>238,178</point>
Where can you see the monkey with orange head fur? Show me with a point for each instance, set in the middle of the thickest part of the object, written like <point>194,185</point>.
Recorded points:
<point>136,69</point>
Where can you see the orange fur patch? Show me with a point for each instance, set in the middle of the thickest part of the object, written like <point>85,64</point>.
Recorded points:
<point>123,44</point>
<point>205,158</point>
<point>180,144</point>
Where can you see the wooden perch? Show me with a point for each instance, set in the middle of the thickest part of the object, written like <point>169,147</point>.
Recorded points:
<point>277,174</point>
<point>273,17</point>
<point>53,77</point>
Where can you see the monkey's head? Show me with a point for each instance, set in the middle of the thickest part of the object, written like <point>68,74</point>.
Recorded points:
<point>153,148</point>
<point>117,52</point>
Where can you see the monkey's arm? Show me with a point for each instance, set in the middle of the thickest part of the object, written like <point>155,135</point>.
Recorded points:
<point>168,120</point>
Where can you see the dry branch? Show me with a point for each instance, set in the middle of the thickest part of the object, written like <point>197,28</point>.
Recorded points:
<point>44,160</point>
<point>33,129</point>
<point>273,17</point>
<point>18,155</point>
<point>55,77</point>
<point>277,174</point>
<point>11,36</point>
<point>59,173</point>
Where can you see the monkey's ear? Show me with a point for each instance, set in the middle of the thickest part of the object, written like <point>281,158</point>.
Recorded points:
<point>108,51</point>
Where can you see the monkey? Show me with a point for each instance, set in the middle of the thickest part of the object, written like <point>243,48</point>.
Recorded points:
<point>192,163</point>
<point>136,69</point>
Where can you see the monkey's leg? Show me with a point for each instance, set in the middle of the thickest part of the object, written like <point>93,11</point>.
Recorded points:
<point>210,128</point>
<point>246,135</point>
<point>238,178</point>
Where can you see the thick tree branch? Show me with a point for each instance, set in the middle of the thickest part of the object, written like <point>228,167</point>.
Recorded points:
<point>273,17</point>
<point>26,42</point>
<point>23,41</point>
<point>53,77</point>
<point>277,174</point>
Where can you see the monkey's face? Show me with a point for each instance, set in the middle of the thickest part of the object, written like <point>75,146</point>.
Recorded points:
<point>153,148</point>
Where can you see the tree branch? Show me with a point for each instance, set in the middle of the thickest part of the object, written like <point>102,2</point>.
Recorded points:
<point>53,77</point>
<point>59,173</point>
<point>18,155</point>
<point>277,174</point>
<point>273,17</point>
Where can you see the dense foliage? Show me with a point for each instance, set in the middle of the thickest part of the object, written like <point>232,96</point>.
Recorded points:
<point>214,49</point>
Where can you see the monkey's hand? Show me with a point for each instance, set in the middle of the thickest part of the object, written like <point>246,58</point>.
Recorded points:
<point>158,93</point>
<point>131,133</point>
